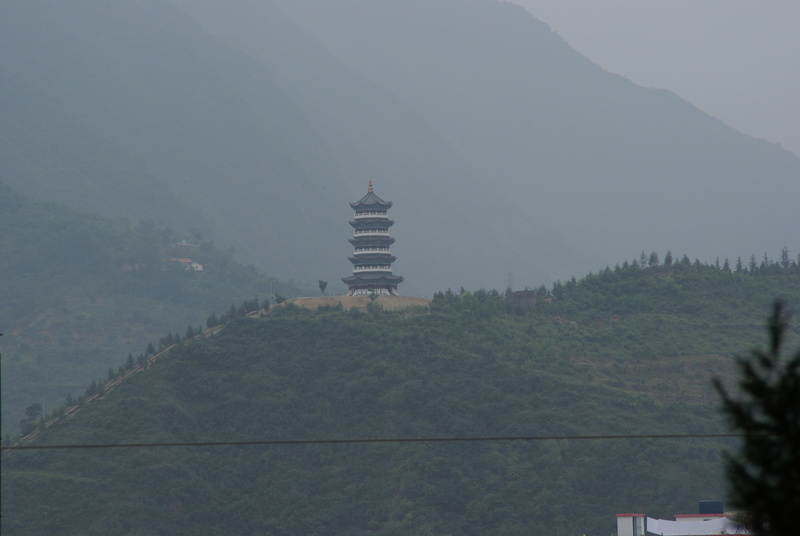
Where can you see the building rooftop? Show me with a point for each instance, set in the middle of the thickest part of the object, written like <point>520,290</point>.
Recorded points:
<point>370,200</point>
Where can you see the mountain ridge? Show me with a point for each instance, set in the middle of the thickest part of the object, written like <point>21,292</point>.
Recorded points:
<point>576,152</point>
<point>258,124</point>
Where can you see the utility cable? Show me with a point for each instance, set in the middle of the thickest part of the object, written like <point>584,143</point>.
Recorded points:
<point>353,441</point>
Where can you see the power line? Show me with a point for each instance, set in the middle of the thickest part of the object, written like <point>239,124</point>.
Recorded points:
<point>353,441</point>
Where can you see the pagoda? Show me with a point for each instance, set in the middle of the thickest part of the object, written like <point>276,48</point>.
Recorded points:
<point>372,260</point>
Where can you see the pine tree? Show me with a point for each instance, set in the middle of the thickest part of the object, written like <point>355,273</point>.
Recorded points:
<point>34,411</point>
<point>785,261</point>
<point>752,265</point>
<point>765,476</point>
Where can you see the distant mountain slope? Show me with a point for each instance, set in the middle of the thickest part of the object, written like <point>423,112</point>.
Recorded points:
<point>508,155</point>
<point>473,366</point>
<point>373,135</point>
<point>207,122</point>
<point>79,292</point>
<point>606,163</point>
<point>50,153</point>
<point>268,161</point>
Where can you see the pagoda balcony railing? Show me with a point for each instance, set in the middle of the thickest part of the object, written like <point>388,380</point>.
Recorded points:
<point>370,291</point>
<point>371,250</point>
<point>367,232</point>
<point>378,268</point>
<point>369,214</point>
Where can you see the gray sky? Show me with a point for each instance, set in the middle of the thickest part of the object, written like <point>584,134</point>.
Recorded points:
<point>737,60</point>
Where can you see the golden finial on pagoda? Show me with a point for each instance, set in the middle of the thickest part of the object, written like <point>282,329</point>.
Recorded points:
<point>369,188</point>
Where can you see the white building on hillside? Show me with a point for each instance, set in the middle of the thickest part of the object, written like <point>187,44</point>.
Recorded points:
<point>711,520</point>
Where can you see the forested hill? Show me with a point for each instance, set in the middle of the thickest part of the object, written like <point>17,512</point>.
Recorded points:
<point>626,351</point>
<point>80,292</point>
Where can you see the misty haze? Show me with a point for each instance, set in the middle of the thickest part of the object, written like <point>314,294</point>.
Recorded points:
<point>569,254</point>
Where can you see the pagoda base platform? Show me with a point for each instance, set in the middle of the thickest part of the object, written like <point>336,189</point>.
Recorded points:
<point>388,303</point>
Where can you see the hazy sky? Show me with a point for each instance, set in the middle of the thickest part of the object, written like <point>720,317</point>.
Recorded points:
<point>738,60</point>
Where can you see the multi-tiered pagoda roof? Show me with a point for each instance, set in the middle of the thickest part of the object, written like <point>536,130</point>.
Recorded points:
<point>372,260</point>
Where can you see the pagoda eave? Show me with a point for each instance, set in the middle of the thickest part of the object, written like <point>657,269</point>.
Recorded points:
<point>370,201</point>
<point>371,223</point>
<point>366,279</point>
<point>371,258</point>
<point>372,240</point>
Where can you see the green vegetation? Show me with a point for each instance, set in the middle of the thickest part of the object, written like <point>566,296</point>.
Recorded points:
<point>79,293</point>
<point>765,476</point>
<point>474,364</point>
